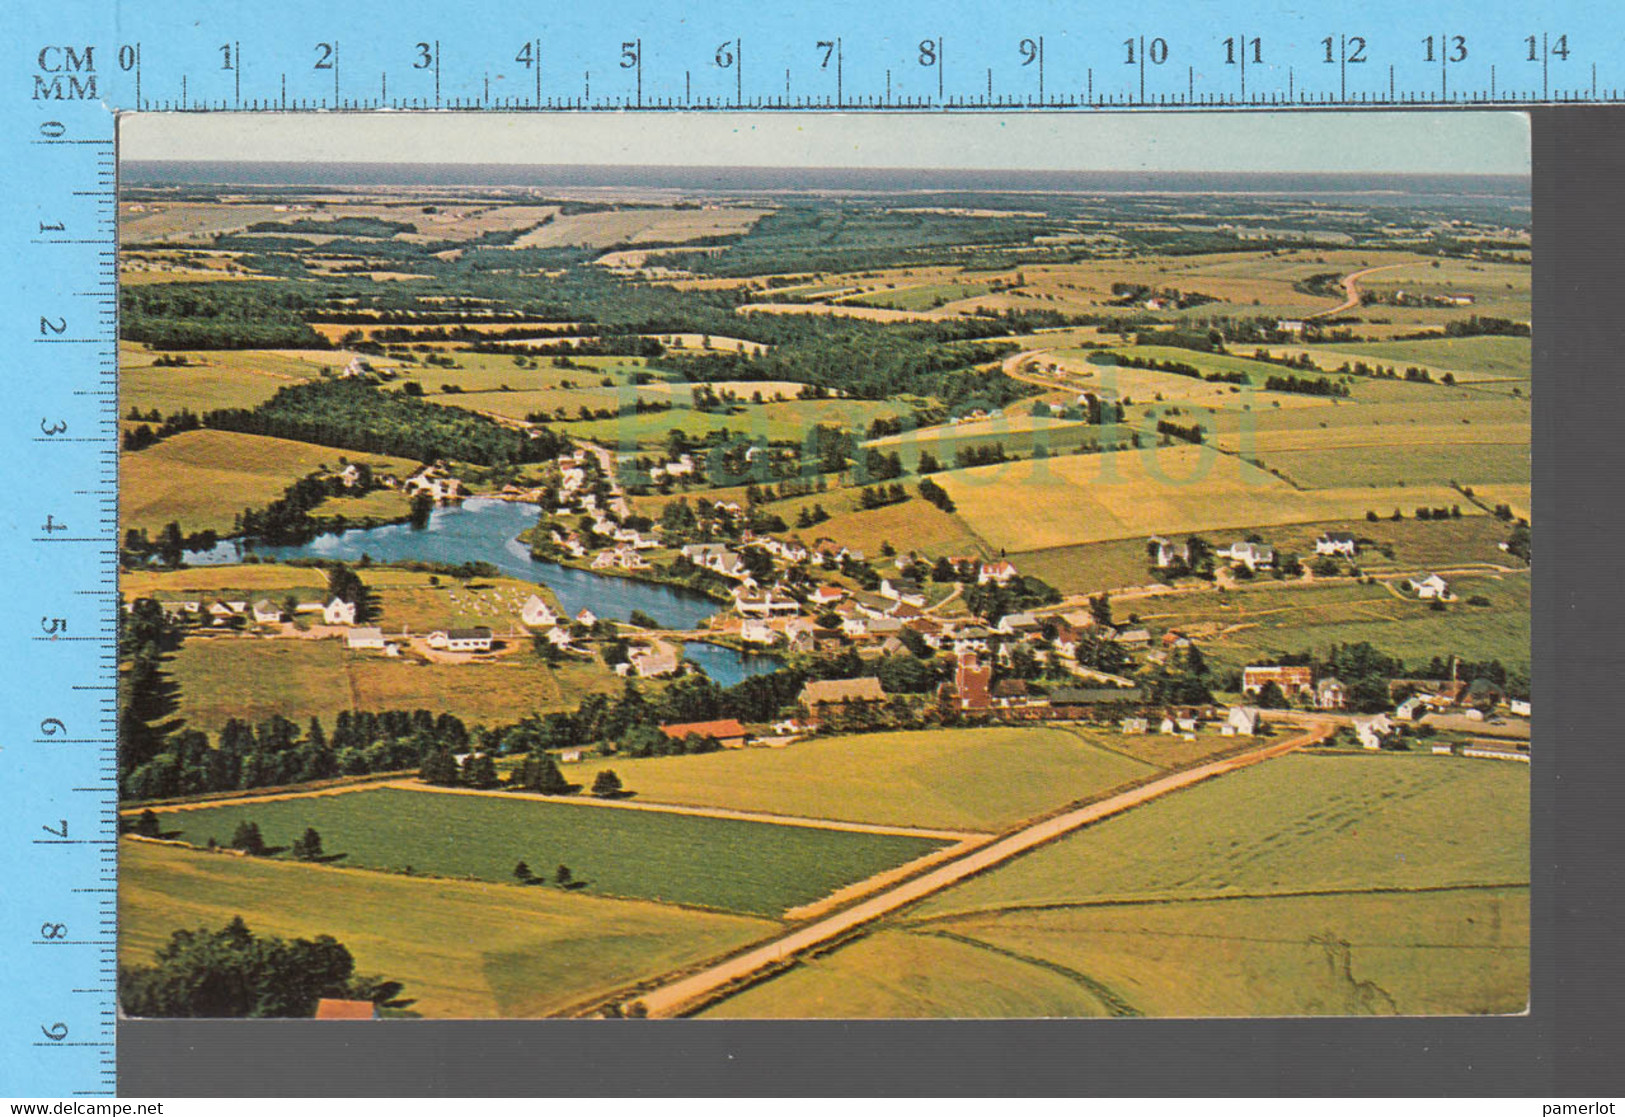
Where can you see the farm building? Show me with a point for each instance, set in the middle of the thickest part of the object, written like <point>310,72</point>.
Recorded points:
<point>334,1008</point>
<point>728,733</point>
<point>365,639</point>
<point>1293,681</point>
<point>266,613</point>
<point>1336,543</point>
<point>1135,725</point>
<point>461,639</point>
<point>823,697</point>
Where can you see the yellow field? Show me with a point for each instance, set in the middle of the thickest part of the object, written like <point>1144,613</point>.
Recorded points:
<point>461,949</point>
<point>1054,502</point>
<point>985,779</point>
<point>214,379</point>
<point>183,222</point>
<point>630,226</point>
<point>202,478</point>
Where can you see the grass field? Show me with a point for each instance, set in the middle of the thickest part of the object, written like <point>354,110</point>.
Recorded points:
<point>1297,824</point>
<point>215,379</point>
<point>747,867</point>
<point>957,779</point>
<point>1348,885</point>
<point>1472,464</point>
<point>226,677</point>
<point>1451,953</point>
<point>1056,502</point>
<point>203,478</point>
<point>1242,626</point>
<point>461,949</point>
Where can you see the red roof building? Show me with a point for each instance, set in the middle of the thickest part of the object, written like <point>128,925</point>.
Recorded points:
<point>728,732</point>
<point>334,1008</point>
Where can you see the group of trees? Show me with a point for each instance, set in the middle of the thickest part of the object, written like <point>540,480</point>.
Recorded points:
<point>936,494</point>
<point>274,752</point>
<point>288,519</point>
<point>353,415</point>
<point>139,438</point>
<point>878,496</point>
<point>233,972</point>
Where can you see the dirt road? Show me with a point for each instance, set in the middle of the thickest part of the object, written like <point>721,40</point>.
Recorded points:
<point>1351,291</point>
<point>683,993</point>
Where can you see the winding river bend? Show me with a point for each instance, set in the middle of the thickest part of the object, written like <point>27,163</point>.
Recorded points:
<point>484,530</point>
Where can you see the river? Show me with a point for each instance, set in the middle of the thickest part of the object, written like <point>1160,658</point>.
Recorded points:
<point>484,530</point>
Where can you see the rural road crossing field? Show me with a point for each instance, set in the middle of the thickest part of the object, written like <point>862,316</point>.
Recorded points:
<point>673,998</point>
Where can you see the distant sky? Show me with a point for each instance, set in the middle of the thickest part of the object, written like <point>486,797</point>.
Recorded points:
<point>1455,142</point>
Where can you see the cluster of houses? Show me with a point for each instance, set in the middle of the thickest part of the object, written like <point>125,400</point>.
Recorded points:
<point>1166,553</point>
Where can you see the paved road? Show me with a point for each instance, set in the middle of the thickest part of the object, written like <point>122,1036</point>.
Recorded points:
<point>682,993</point>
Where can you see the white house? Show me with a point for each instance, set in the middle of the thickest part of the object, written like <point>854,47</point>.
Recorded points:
<point>903,589</point>
<point>754,631</point>
<point>1242,721</point>
<point>1371,731</point>
<point>338,611</point>
<point>1254,556</point>
<point>536,614</point>
<point>461,639</point>
<point>1164,553</point>
<point>1336,543</point>
<point>1432,588</point>
<point>370,638</point>
<point>1519,706</point>
<point>266,613</point>
<point>586,617</point>
<point>1000,572</point>
<point>1136,725</point>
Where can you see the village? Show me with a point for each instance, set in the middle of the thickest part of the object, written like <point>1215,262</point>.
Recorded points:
<point>1026,656</point>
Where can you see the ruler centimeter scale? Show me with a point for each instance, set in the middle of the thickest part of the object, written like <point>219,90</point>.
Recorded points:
<point>73,65</point>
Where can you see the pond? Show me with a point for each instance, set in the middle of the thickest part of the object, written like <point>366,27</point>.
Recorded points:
<point>484,530</point>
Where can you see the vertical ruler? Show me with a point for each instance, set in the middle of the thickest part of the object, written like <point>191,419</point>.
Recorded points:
<point>58,754</point>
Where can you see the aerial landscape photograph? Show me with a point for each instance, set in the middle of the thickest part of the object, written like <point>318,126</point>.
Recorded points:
<point>1074,569</point>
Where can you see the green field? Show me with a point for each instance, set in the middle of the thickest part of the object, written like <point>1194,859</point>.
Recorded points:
<point>461,948</point>
<point>243,677</point>
<point>981,779</point>
<point>203,478</point>
<point>1424,464</point>
<point>749,867</point>
<point>1475,357</point>
<point>1254,623</point>
<point>1301,823</point>
<point>1310,885</point>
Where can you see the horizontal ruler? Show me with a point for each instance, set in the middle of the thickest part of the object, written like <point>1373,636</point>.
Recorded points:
<point>900,56</point>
